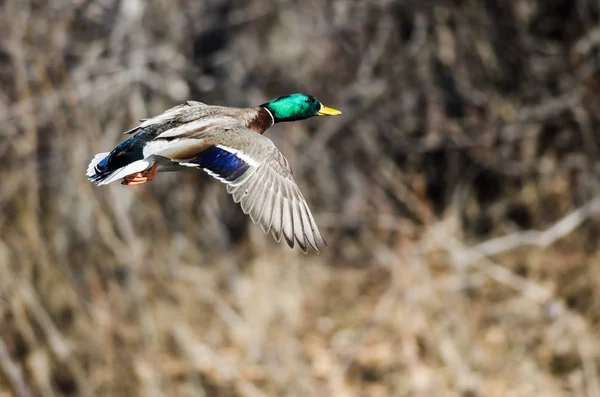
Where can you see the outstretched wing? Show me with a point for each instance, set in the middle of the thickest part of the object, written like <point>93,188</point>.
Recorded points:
<point>257,176</point>
<point>173,116</point>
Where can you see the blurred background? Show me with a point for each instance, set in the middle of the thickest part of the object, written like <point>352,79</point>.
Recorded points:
<point>458,194</point>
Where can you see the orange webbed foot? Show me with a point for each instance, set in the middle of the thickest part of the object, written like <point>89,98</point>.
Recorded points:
<point>140,177</point>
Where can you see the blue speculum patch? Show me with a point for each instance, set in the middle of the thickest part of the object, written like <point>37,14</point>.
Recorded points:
<point>223,163</point>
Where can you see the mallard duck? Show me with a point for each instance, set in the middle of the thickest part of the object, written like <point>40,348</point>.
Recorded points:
<point>228,144</point>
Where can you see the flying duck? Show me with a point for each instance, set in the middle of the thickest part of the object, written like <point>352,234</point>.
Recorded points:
<point>228,144</point>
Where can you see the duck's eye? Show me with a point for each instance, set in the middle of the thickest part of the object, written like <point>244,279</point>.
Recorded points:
<point>310,100</point>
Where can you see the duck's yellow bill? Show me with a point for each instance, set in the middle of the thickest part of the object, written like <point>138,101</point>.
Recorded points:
<point>325,111</point>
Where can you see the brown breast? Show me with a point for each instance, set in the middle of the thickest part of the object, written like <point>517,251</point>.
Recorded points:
<point>261,121</point>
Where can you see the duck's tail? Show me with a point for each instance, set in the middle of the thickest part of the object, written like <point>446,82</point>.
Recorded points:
<point>100,171</point>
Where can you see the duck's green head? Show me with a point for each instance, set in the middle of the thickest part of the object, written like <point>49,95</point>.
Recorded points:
<point>297,107</point>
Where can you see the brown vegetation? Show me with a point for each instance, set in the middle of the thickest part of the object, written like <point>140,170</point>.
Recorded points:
<point>458,195</point>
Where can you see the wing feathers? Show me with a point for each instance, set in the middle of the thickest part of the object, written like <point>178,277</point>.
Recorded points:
<point>277,216</point>
<point>298,225</point>
<point>308,231</point>
<point>288,217</point>
<point>267,212</point>
<point>254,191</point>
<point>256,174</point>
<point>190,130</point>
<point>314,227</point>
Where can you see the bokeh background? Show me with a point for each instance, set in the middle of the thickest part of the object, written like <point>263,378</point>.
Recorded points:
<point>458,194</point>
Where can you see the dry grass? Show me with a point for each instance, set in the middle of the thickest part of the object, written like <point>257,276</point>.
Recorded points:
<point>458,195</point>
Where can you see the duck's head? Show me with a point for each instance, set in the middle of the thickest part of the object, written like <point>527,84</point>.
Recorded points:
<point>297,107</point>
